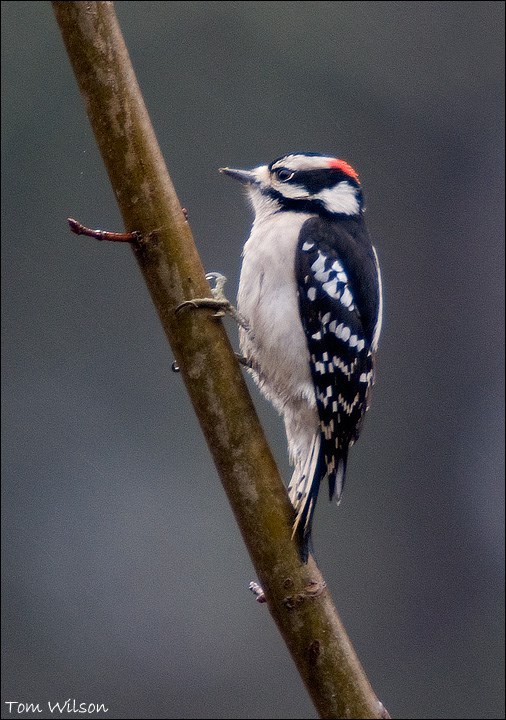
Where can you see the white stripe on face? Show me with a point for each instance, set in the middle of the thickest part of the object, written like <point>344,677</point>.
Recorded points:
<point>342,198</point>
<point>304,162</point>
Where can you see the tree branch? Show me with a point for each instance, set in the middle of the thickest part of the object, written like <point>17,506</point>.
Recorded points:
<point>296,593</point>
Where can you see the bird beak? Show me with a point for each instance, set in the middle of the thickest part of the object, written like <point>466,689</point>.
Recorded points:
<point>246,177</point>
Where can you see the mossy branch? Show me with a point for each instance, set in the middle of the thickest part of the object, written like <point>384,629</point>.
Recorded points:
<point>296,593</point>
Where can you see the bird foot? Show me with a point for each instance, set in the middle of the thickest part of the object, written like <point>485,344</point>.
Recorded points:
<point>258,592</point>
<point>218,301</point>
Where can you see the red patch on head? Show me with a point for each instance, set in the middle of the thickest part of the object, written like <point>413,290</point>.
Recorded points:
<point>344,167</point>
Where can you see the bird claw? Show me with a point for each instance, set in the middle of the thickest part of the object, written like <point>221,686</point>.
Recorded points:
<point>197,303</point>
<point>219,283</point>
<point>218,301</point>
<point>218,293</point>
<point>256,589</point>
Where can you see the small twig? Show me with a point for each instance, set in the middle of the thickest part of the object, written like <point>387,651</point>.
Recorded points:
<point>80,229</point>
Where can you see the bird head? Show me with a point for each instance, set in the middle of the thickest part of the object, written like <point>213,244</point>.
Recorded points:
<point>302,182</point>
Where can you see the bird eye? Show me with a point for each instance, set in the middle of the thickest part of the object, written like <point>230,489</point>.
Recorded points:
<point>284,175</point>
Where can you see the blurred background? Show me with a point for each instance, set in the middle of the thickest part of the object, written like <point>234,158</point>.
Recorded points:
<point>124,575</point>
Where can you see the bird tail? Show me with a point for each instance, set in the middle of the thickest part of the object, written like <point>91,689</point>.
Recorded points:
<point>305,485</point>
<point>337,475</point>
<point>303,491</point>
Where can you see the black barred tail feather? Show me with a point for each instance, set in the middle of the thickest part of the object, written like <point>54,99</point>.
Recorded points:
<point>303,491</point>
<point>305,485</point>
<point>337,476</point>
<point>303,524</point>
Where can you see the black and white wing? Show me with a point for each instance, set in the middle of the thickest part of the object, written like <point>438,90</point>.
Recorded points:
<point>340,306</point>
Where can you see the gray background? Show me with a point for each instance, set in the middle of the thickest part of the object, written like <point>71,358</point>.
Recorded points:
<point>125,577</point>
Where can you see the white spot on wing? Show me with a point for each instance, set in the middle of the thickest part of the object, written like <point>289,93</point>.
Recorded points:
<point>330,288</point>
<point>346,298</point>
<point>323,277</point>
<point>348,370</point>
<point>348,407</point>
<point>319,263</point>
<point>365,377</point>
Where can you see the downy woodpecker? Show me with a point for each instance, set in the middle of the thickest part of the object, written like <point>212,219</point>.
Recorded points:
<point>310,293</point>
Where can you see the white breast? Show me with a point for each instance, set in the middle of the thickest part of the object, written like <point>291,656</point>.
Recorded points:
<point>268,300</point>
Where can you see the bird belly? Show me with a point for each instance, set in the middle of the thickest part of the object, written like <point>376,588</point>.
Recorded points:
<point>276,343</point>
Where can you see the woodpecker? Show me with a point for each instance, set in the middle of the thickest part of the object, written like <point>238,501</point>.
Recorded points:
<point>310,295</point>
